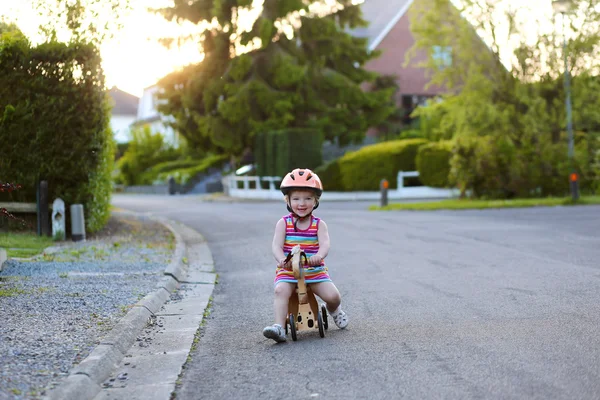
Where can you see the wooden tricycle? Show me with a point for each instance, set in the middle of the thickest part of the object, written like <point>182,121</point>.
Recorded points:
<point>303,308</point>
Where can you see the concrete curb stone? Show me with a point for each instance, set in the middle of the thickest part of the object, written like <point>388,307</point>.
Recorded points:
<point>77,386</point>
<point>3,257</point>
<point>99,363</point>
<point>83,383</point>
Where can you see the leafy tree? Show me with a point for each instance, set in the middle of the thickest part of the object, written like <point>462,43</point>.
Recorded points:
<point>525,94</point>
<point>81,20</point>
<point>517,103</point>
<point>295,67</point>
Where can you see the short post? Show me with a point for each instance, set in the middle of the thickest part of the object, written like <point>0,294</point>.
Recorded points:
<point>58,220</point>
<point>43,223</point>
<point>77,223</point>
<point>172,183</point>
<point>383,186</point>
<point>574,180</point>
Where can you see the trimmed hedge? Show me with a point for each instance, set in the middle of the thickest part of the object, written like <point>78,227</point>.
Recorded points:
<point>362,170</point>
<point>331,176</point>
<point>433,163</point>
<point>278,152</point>
<point>54,125</point>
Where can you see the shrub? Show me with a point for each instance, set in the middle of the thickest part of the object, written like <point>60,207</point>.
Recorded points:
<point>145,150</point>
<point>433,163</point>
<point>278,152</point>
<point>495,167</point>
<point>184,175</point>
<point>150,175</point>
<point>54,124</point>
<point>363,170</point>
<point>331,176</point>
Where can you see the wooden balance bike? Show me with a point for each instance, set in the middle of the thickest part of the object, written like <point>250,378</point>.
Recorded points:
<point>303,308</point>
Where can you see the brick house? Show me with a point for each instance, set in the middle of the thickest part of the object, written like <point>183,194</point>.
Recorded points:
<point>389,32</point>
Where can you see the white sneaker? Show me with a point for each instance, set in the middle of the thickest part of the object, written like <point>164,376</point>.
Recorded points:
<point>275,332</point>
<point>340,318</point>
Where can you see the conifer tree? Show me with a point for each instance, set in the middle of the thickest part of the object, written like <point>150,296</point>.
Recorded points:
<point>295,67</point>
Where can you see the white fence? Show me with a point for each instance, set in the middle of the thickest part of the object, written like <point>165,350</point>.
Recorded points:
<point>266,188</point>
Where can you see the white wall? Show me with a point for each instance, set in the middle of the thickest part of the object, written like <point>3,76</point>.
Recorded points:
<point>147,104</point>
<point>120,127</point>
<point>147,109</point>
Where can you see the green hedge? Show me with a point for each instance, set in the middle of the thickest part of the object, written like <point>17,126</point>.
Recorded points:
<point>492,167</point>
<point>278,152</point>
<point>433,163</point>
<point>331,176</point>
<point>363,170</point>
<point>54,124</point>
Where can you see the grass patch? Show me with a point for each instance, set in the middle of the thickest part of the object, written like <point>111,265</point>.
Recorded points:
<point>466,204</point>
<point>10,292</point>
<point>24,244</point>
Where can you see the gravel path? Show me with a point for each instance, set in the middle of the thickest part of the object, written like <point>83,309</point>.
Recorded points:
<point>56,308</point>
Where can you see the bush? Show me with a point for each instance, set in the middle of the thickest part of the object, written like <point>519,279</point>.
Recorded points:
<point>433,164</point>
<point>54,124</point>
<point>278,152</point>
<point>184,175</point>
<point>331,176</point>
<point>150,175</point>
<point>493,167</point>
<point>145,150</point>
<point>363,170</point>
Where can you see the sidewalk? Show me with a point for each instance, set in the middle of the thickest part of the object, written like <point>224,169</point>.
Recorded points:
<point>96,318</point>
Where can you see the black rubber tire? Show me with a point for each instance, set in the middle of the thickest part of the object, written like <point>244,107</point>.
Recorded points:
<point>293,327</point>
<point>320,323</point>
<point>325,321</point>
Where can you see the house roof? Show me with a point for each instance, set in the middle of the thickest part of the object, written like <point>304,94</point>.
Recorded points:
<point>382,16</point>
<point>123,103</point>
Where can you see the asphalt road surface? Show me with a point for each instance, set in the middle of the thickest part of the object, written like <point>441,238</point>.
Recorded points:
<point>493,304</point>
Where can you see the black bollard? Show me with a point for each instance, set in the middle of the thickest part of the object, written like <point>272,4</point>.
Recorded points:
<point>383,186</point>
<point>43,218</point>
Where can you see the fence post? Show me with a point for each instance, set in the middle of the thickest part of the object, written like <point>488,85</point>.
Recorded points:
<point>43,220</point>
<point>400,180</point>
<point>383,187</point>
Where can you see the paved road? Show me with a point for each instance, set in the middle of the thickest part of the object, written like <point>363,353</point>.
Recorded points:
<point>496,304</point>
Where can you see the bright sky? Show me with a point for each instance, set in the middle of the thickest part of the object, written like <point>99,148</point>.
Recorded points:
<point>134,59</point>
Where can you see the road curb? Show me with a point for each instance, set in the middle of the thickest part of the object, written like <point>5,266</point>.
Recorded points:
<point>3,257</point>
<point>85,380</point>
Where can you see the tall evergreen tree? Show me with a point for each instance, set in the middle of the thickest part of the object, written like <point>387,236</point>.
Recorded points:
<point>296,67</point>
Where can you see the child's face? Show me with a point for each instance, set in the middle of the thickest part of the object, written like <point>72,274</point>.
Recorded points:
<point>302,202</point>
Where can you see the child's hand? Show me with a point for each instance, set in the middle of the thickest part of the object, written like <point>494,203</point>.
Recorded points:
<point>315,260</point>
<point>282,264</point>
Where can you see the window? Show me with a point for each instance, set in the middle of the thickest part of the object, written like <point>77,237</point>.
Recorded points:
<point>442,55</point>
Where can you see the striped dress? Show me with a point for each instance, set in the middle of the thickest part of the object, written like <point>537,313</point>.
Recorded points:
<point>309,243</point>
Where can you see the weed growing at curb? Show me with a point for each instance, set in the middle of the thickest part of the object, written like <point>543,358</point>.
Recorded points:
<point>195,342</point>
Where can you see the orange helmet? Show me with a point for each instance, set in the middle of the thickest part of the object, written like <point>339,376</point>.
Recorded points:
<point>301,179</point>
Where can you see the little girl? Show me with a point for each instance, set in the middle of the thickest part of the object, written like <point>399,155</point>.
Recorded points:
<point>302,189</point>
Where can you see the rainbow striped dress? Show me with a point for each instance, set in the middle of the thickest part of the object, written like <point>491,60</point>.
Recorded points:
<point>309,243</point>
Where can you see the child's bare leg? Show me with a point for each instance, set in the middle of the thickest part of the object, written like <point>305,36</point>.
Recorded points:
<point>329,293</point>
<point>283,291</point>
